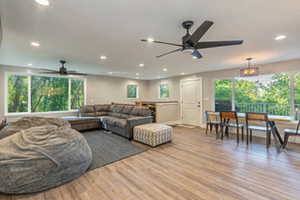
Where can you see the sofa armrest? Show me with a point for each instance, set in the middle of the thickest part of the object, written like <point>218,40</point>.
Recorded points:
<point>135,121</point>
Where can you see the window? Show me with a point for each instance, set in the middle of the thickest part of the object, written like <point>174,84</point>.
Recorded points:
<point>297,96</point>
<point>49,94</point>
<point>264,93</point>
<point>132,91</point>
<point>77,93</point>
<point>33,93</point>
<point>223,95</point>
<point>18,95</point>
<point>164,91</point>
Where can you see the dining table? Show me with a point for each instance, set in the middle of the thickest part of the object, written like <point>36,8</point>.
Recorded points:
<point>273,119</point>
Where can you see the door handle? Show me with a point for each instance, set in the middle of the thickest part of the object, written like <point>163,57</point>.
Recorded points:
<point>199,106</point>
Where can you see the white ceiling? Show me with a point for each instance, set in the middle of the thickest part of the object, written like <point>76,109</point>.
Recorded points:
<point>80,31</point>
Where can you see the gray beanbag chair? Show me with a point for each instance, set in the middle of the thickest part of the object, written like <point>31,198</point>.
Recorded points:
<point>28,122</point>
<point>41,158</point>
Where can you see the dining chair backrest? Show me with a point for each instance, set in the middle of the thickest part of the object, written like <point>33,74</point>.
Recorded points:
<point>257,116</point>
<point>226,116</point>
<point>211,116</point>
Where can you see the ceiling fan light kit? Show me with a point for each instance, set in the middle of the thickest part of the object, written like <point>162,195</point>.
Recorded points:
<point>190,42</point>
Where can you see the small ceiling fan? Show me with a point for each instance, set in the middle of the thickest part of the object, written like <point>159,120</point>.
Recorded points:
<point>62,70</point>
<point>190,42</point>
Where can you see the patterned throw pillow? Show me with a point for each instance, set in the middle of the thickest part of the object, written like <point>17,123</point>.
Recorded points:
<point>141,111</point>
<point>127,109</point>
<point>117,108</point>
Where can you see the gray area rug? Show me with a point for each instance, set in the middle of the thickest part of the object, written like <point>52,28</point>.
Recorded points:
<point>108,148</point>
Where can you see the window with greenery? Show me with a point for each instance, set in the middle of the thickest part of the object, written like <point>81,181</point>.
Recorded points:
<point>49,94</point>
<point>45,94</point>
<point>264,93</point>
<point>77,93</point>
<point>297,95</point>
<point>18,95</point>
<point>223,95</point>
<point>132,91</point>
<point>164,91</point>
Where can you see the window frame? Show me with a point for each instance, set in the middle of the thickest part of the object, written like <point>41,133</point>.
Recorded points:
<point>159,87</point>
<point>233,79</point>
<point>29,75</point>
<point>137,91</point>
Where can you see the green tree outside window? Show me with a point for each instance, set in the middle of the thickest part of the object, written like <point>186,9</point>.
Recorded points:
<point>17,93</point>
<point>46,94</point>
<point>77,93</point>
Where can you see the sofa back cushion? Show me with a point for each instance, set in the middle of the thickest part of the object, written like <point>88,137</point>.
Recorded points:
<point>87,109</point>
<point>102,108</point>
<point>141,111</point>
<point>127,109</point>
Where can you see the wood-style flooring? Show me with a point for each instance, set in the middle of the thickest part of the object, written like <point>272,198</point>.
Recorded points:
<point>194,166</point>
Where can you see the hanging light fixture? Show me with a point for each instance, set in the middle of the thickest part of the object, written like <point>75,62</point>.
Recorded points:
<point>249,71</point>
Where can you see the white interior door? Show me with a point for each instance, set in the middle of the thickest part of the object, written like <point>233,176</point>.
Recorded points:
<point>191,102</point>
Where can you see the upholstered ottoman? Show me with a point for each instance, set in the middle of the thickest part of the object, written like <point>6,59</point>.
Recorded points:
<point>153,134</point>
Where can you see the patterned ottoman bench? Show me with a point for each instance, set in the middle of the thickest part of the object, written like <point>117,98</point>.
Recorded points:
<point>153,134</point>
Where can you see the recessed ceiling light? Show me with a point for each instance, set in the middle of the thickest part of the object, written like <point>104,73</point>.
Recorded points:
<point>280,37</point>
<point>35,44</point>
<point>165,69</point>
<point>141,65</point>
<point>150,39</point>
<point>103,57</point>
<point>29,64</point>
<point>137,74</point>
<point>182,73</point>
<point>43,2</point>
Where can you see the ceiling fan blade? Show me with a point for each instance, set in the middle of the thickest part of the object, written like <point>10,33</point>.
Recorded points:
<point>167,43</point>
<point>198,34</point>
<point>176,50</point>
<point>54,72</point>
<point>196,54</point>
<point>205,45</point>
<point>48,70</point>
<point>77,73</point>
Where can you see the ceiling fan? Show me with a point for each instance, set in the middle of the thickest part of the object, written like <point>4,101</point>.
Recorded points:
<point>62,70</point>
<point>190,42</point>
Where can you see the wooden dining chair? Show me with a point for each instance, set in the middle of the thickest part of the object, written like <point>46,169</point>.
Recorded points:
<point>226,117</point>
<point>211,122</point>
<point>290,132</point>
<point>258,117</point>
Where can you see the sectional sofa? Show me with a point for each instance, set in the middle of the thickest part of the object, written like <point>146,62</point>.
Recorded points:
<point>118,118</point>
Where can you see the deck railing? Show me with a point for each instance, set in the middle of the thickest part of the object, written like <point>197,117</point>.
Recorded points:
<point>271,109</point>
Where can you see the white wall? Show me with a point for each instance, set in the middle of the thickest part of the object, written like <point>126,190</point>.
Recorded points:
<point>100,89</point>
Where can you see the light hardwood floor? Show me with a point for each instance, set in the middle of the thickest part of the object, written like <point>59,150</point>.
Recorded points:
<point>194,166</point>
